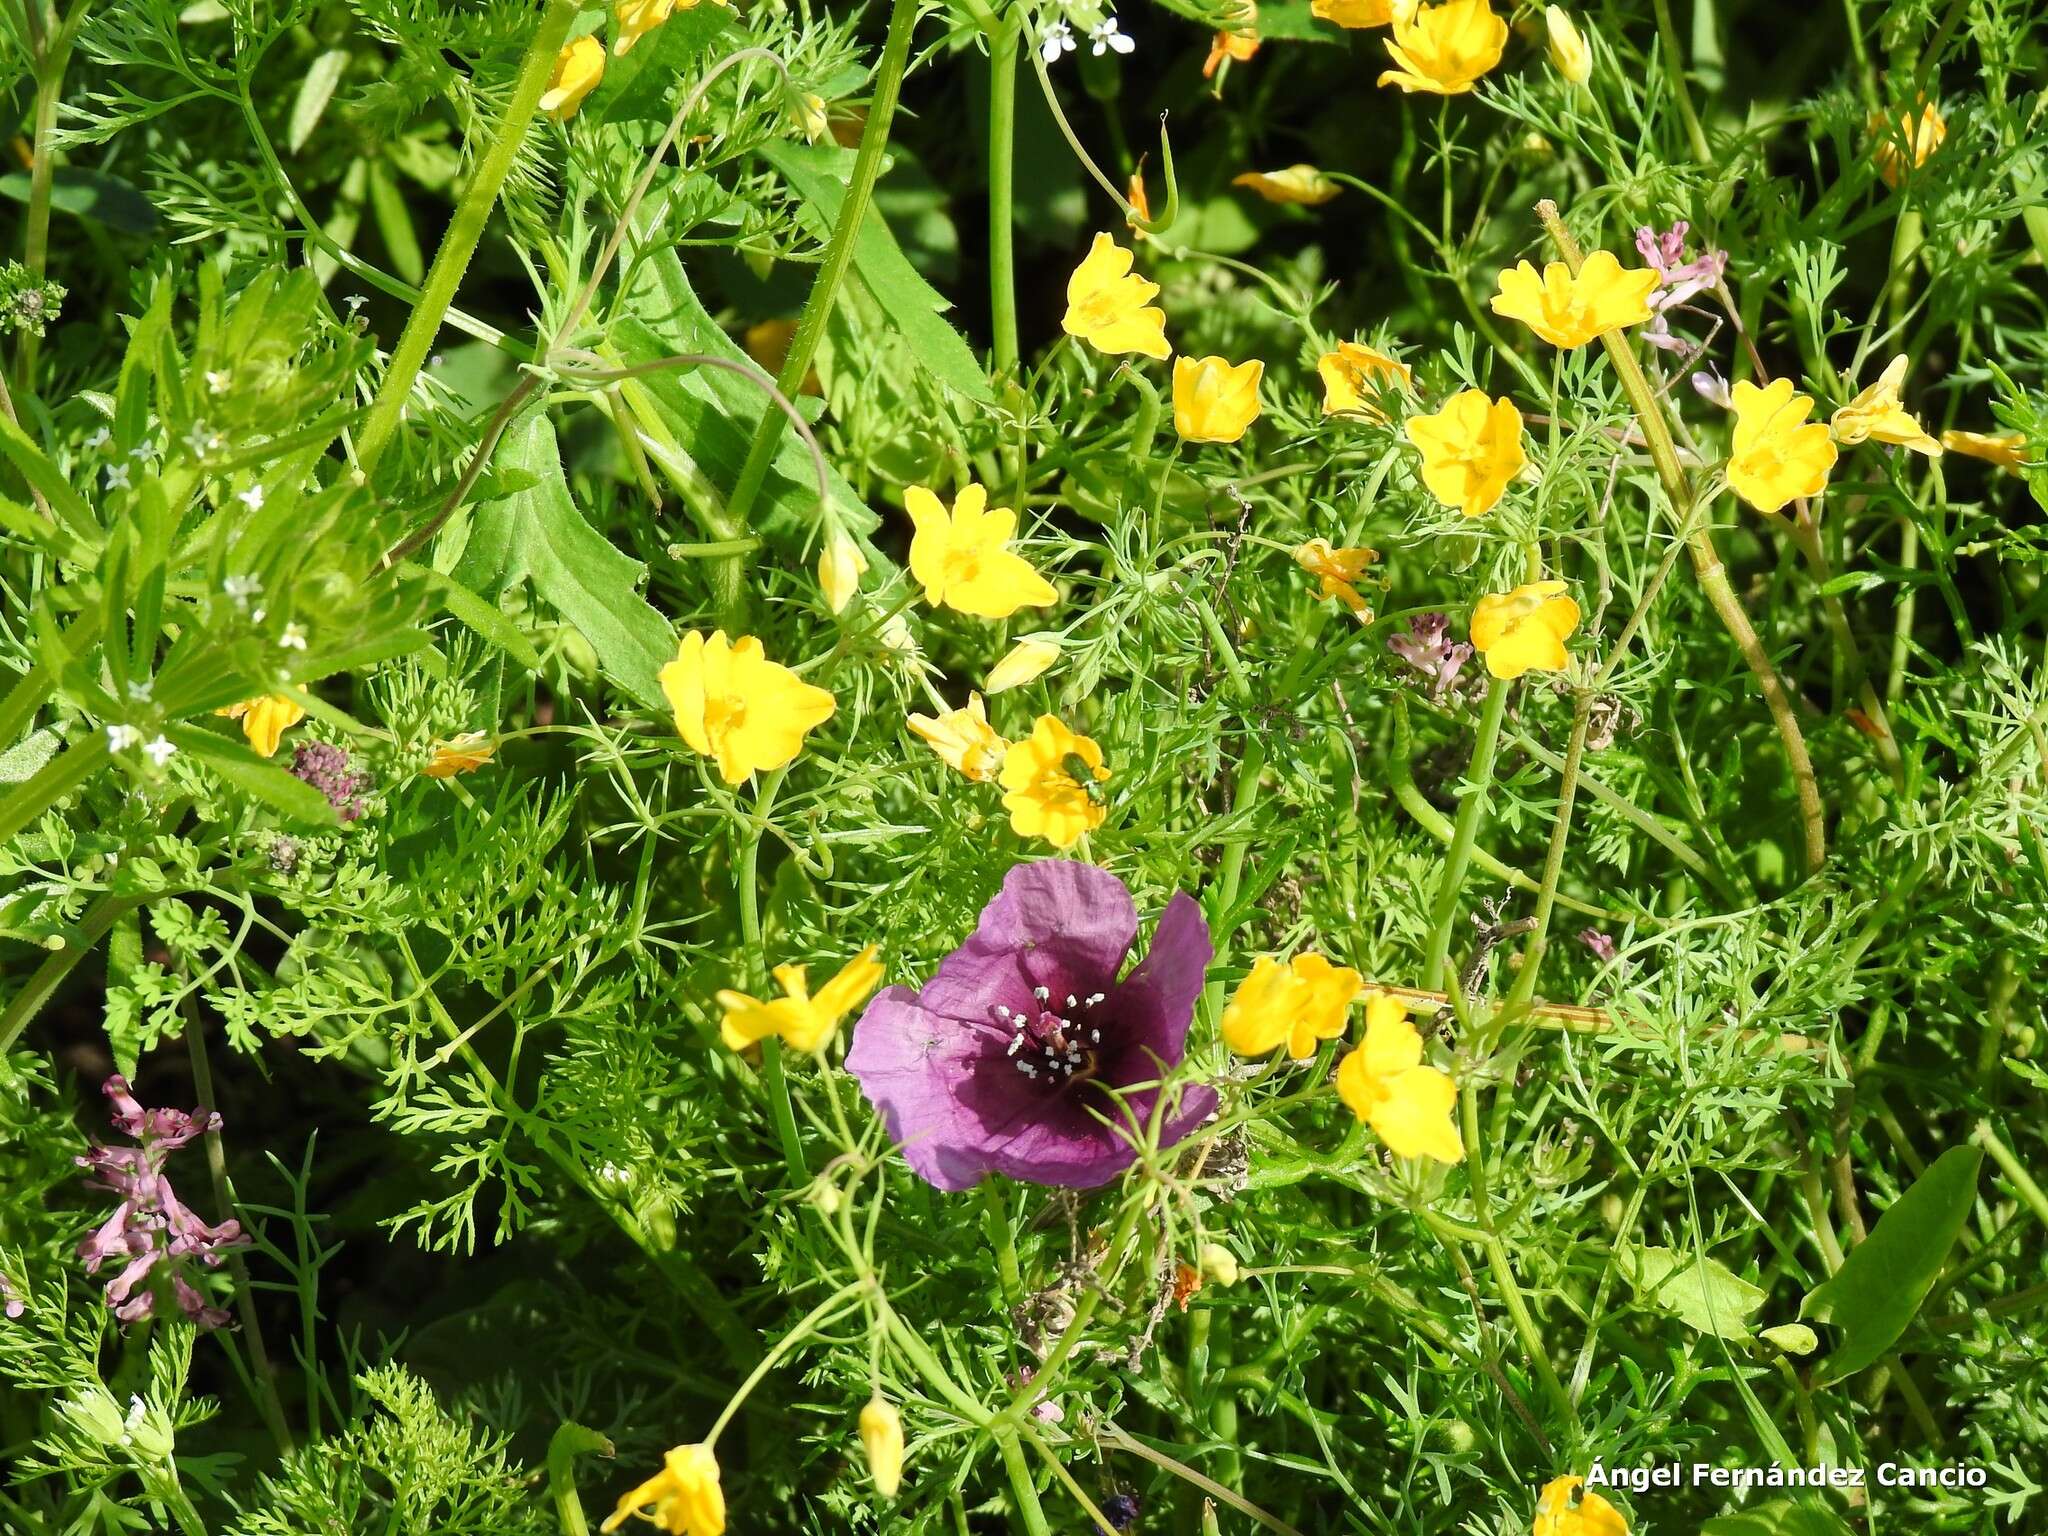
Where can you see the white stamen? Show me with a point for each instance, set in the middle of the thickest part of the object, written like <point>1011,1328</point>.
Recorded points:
<point>1041,993</point>
<point>1015,1041</point>
<point>1070,1001</point>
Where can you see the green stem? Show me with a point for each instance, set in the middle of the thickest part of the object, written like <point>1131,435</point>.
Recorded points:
<point>750,935</point>
<point>1674,68</point>
<point>464,232</point>
<point>803,1329</point>
<point>47,977</point>
<point>817,311</point>
<point>1706,560</point>
<point>1002,136</point>
<point>570,1441</point>
<point>1029,1510</point>
<point>1553,862</point>
<point>42,168</point>
<point>2022,1181</point>
<point>1443,915</point>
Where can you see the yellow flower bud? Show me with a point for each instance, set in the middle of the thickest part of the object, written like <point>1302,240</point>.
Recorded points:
<point>1026,660</point>
<point>881,1435</point>
<point>1570,53</point>
<point>839,571</point>
<point>1218,1264</point>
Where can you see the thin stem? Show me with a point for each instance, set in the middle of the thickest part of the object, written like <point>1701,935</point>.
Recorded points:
<point>1443,915</point>
<point>1553,862</point>
<point>1021,1482</point>
<point>570,1441</point>
<point>48,976</point>
<point>750,935</point>
<point>1706,560</point>
<point>1674,69</point>
<point>817,311</point>
<point>1002,145</point>
<point>805,1325</point>
<point>465,230</point>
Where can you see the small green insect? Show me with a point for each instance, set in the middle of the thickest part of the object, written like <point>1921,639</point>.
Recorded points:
<point>1077,768</point>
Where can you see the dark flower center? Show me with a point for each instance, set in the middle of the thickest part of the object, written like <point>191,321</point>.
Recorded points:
<point>1055,1040</point>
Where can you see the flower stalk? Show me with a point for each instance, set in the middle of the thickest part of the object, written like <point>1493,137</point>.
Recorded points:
<point>1706,559</point>
<point>1443,914</point>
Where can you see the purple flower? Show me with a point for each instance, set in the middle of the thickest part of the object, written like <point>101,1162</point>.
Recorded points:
<point>1428,648</point>
<point>1005,1062</point>
<point>15,1306</point>
<point>1121,1510</point>
<point>1602,945</point>
<point>151,1233</point>
<point>1679,279</point>
<point>325,767</point>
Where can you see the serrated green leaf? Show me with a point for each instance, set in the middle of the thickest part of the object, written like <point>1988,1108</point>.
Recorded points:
<point>1886,1277</point>
<point>1702,1293</point>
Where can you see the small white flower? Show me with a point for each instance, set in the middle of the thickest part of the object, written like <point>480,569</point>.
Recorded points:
<point>355,302</point>
<point>199,440</point>
<point>160,751</point>
<point>117,477</point>
<point>252,498</point>
<point>143,453</point>
<point>121,737</point>
<point>293,638</point>
<point>98,440</point>
<point>1109,38</point>
<point>139,691</point>
<point>1058,39</point>
<point>240,588</point>
<point>217,383</point>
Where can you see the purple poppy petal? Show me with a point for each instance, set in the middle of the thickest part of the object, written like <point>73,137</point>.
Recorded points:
<point>911,1064</point>
<point>1156,1002</point>
<point>1056,923</point>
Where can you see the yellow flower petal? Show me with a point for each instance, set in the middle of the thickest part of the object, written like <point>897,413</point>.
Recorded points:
<point>1045,797</point>
<point>1471,449</point>
<point>1215,400</point>
<point>1296,1003</point>
<point>734,705</point>
<point>460,754</point>
<point>1879,415</point>
<point>1778,454</point>
<point>578,68</point>
<point>1353,14</point>
<point>1354,375</point>
<point>1566,1507</point>
<point>840,567</point>
<point>1408,1105</point>
<point>265,720</point>
<point>1302,184</point>
<point>1900,144</point>
<point>1107,304</point>
<point>1570,54</point>
<point>1569,311</point>
<point>964,739</point>
<point>1444,49</point>
<point>961,558</point>
<point>1524,630</point>
<point>684,1498</point>
<point>1023,662</point>
<point>2008,450</point>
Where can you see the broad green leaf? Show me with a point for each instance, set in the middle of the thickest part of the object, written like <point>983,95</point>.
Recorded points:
<point>480,614</point>
<point>1780,1517</point>
<point>25,759</point>
<point>912,304</point>
<point>1792,1338</point>
<point>537,533</point>
<point>39,472</point>
<point>90,194</point>
<point>1702,1293</point>
<point>1885,1278</point>
<point>253,775</point>
<point>314,93</point>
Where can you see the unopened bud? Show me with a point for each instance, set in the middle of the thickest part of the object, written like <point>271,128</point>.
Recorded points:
<point>881,1436</point>
<point>1570,53</point>
<point>1218,1264</point>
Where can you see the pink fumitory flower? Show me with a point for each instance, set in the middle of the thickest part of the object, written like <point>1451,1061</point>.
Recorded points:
<point>1030,1053</point>
<point>151,1233</point>
<point>1428,648</point>
<point>1679,280</point>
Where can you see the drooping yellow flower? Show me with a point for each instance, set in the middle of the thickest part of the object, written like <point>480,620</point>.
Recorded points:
<point>1354,14</point>
<point>1569,311</point>
<point>1297,184</point>
<point>1053,778</point>
<point>1566,1507</point>
<point>1354,374</point>
<point>637,18</point>
<point>1570,54</point>
<point>578,68</point>
<point>1214,399</point>
<point>1524,630</point>
<point>1295,1003</point>
<point>1109,306</point>
<point>1900,144</point>
<point>460,754</point>
<point>1238,40</point>
<point>840,567</point>
<point>1878,414</point>
<point>2008,450</point>
<point>1023,662</point>
<point>735,705</point>
<point>684,1498</point>
<point>881,1436</point>
<point>1384,1082</point>
<point>1778,454</point>
<point>265,720</point>
<point>1471,449</point>
<point>803,1019</point>
<point>962,558</point>
<point>1141,205</point>
<point>964,739</point>
<point>1444,49</point>
<point>1337,570</point>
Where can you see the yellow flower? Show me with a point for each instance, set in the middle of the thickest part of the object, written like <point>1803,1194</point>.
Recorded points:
<point>1898,138</point>
<point>1355,14</point>
<point>812,117</point>
<point>1214,399</point>
<point>881,1436</point>
<point>1444,48</point>
<point>1108,305</point>
<point>1569,311</point>
<point>1045,797</point>
<point>1296,1003</point>
<point>1567,1508</point>
<point>637,18</point>
<point>1353,374</point>
<point>1570,54</point>
<point>2008,450</point>
<point>1778,453</point>
<point>460,754</point>
<point>1236,43</point>
<point>1524,630</point>
<point>683,1498</point>
<point>1879,414</point>
<point>805,1021</point>
<point>1338,570</point>
<point>961,558</point>
<point>265,720</point>
<point>1025,660</point>
<point>578,68</point>
<point>733,704</point>
<point>1297,184</point>
<point>1471,449</point>
<point>1386,1085</point>
<point>964,739</point>
<point>840,566</point>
